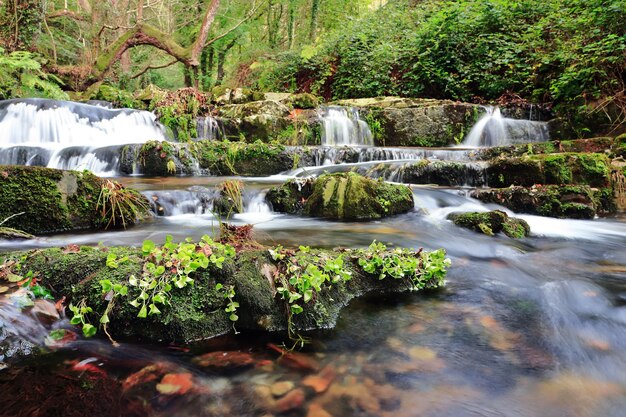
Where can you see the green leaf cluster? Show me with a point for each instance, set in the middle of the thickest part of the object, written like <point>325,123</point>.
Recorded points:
<point>21,76</point>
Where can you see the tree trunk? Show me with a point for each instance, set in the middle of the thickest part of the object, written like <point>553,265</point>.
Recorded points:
<point>314,15</point>
<point>221,58</point>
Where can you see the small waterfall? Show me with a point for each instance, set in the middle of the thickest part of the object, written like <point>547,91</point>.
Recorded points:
<point>199,200</point>
<point>67,135</point>
<point>343,126</point>
<point>209,128</point>
<point>495,130</point>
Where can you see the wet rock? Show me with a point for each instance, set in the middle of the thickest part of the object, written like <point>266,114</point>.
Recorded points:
<point>343,196</point>
<point>225,361</point>
<point>418,122</point>
<point>281,388</point>
<point>571,201</point>
<point>492,222</point>
<point>321,381</point>
<point>292,401</point>
<point>445,173</point>
<point>316,410</point>
<point>45,311</point>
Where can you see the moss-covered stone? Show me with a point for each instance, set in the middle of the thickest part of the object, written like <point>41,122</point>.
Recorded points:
<point>51,200</point>
<point>592,145</point>
<point>196,311</point>
<point>562,168</point>
<point>445,173</point>
<point>418,122</point>
<point>342,196</point>
<point>571,201</point>
<point>492,222</point>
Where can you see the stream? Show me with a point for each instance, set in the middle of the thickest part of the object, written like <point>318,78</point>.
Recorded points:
<point>531,328</point>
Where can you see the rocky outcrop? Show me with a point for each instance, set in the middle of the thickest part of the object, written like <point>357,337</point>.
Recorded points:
<point>570,201</point>
<point>201,310</point>
<point>53,201</point>
<point>342,196</point>
<point>417,122</point>
<point>491,223</point>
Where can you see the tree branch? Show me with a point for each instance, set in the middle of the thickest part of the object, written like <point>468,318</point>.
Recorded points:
<point>151,67</point>
<point>67,13</point>
<point>228,32</point>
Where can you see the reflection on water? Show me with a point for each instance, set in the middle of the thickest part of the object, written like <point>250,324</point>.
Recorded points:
<point>535,327</point>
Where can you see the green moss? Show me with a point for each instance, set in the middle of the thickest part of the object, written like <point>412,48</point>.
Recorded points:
<point>348,196</point>
<point>52,200</point>
<point>557,170</point>
<point>492,222</point>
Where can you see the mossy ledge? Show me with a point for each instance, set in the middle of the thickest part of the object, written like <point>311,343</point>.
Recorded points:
<point>197,311</point>
<point>342,196</point>
<point>569,201</point>
<point>52,200</point>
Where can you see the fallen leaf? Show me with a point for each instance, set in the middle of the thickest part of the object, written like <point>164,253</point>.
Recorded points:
<point>72,248</point>
<point>175,384</point>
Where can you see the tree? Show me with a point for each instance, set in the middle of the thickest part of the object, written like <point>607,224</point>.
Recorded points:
<point>110,41</point>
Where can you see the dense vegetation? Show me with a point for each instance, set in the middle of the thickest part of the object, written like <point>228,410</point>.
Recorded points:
<point>570,53</point>
<point>562,51</point>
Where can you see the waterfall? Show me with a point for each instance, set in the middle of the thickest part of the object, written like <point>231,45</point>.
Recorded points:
<point>209,128</point>
<point>493,129</point>
<point>67,135</point>
<point>343,126</point>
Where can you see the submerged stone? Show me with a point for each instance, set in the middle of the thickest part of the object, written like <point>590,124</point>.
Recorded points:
<point>491,223</point>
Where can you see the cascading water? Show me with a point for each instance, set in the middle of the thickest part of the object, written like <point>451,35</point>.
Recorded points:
<point>209,128</point>
<point>343,126</point>
<point>68,135</point>
<point>493,129</point>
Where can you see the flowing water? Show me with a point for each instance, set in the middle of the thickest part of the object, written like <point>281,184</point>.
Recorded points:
<point>493,129</point>
<point>343,126</point>
<point>531,328</point>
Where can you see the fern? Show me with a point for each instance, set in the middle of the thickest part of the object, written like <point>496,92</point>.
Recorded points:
<point>21,76</point>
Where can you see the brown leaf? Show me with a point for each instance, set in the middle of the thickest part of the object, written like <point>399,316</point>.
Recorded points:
<point>175,384</point>
<point>72,248</point>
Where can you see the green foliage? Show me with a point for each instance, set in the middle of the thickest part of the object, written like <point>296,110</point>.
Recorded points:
<point>422,269</point>
<point>118,204</point>
<point>165,268</point>
<point>21,76</point>
<point>304,272</point>
<point>566,51</point>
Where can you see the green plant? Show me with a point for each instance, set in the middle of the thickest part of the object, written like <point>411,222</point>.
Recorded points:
<point>171,166</point>
<point>165,267</point>
<point>80,317</point>
<point>233,191</point>
<point>21,76</point>
<point>303,273</point>
<point>118,204</point>
<point>422,269</point>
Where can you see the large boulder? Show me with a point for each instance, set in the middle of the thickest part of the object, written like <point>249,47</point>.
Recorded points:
<point>417,122</point>
<point>248,283</point>
<point>342,196</point>
<point>53,200</point>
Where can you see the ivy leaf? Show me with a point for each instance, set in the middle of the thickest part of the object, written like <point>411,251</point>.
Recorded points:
<point>143,313</point>
<point>89,330</point>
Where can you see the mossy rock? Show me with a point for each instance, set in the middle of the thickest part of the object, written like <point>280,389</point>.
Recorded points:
<point>591,169</point>
<point>52,200</point>
<point>348,196</point>
<point>197,311</point>
<point>445,173</point>
<point>570,201</point>
<point>492,222</point>
<point>290,196</point>
<point>341,196</point>
<point>303,101</point>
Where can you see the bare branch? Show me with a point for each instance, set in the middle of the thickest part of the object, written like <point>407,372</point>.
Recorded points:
<point>228,32</point>
<point>151,67</point>
<point>67,13</point>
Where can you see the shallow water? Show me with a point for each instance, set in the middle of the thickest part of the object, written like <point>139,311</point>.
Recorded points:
<point>535,327</point>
